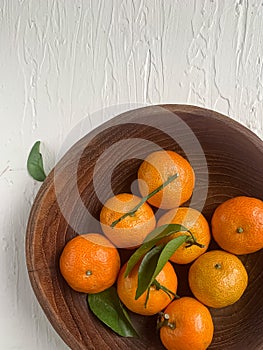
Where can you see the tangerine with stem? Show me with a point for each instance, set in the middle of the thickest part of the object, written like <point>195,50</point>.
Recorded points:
<point>156,298</point>
<point>186,324</point>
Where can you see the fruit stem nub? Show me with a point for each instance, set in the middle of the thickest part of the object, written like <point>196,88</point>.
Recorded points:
<point>144,199</point>
<point>240,230</point>
<point>163,321</point>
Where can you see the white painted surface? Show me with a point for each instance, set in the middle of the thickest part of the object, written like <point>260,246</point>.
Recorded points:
<point>62,60</point>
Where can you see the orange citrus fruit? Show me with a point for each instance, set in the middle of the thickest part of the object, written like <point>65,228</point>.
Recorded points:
<point>131,231</point>
<point>217,278</point>
<point>158,299</point>
<point>194,221</point>
<point>187,325</point>
<point>89,263</point>
<point>156,169</point>
<point>237,225</point>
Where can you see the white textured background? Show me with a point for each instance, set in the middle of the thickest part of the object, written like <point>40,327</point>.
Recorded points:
<point>61,60</point>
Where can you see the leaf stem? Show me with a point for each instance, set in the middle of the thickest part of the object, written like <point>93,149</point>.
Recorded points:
<point>144,199</point>
<point>147,297</point>
<point>159,286</point>
<point>192,241</point>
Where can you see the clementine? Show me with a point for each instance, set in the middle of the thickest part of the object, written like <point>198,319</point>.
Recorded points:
<point>237,225</point>
<point>131,231</point>
<point>156,169</point>
<point>89,263</point>
<point>155,299</point>
<point>195,222</point>
<point>217,278</point>
<point>186,325</point>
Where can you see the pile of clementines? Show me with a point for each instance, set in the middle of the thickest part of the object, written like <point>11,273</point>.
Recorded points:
<point>147,282</point>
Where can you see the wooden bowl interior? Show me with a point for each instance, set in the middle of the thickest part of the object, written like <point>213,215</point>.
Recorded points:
<point>235,167</point>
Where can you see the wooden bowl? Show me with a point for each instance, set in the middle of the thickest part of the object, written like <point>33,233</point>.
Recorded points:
<point>234,157</point>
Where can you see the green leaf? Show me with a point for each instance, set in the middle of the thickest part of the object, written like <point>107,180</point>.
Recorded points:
<point>153,266</point>
<point>35,163</point>
<point>165,231</point>
<point>146,270</point>
<point>150,241</point>
<point>167,252</point>
<point>108,308</point>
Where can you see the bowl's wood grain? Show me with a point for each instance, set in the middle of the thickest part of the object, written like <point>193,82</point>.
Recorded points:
<point>235,163</point>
